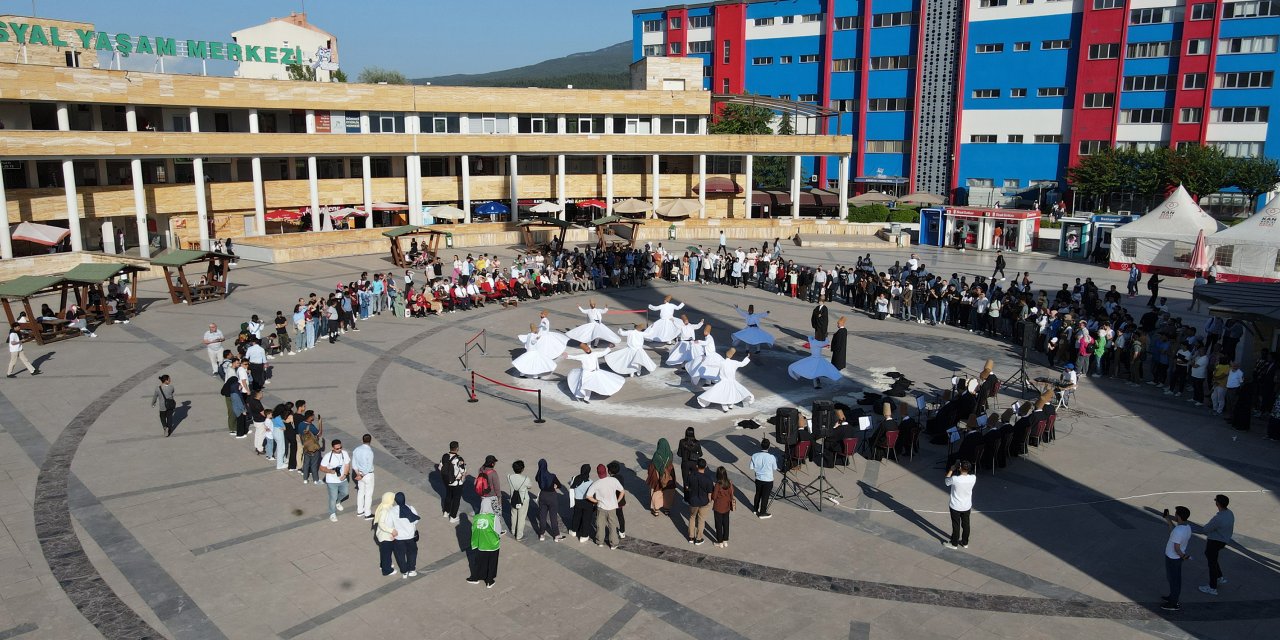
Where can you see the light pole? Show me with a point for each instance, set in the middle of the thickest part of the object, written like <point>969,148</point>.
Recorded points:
<point>1073,201</point>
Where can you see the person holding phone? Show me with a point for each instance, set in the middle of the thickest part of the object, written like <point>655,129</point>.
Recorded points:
<point>961,482</point>
<point>1175,553</point>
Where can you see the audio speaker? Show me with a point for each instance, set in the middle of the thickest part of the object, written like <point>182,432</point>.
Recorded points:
<point>786,426</point>
<point>824,418</point>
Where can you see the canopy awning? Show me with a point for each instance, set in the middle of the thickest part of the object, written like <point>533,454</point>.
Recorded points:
<point>632,205</point>
<point>771,198</point>
<point>546,222</point>
<point>1260,299</point>
<point>881,179</point>
<point>546,206</point>
<point>43,234</point>
<point>717,184</point>
<point>389,206</point>
<point>183,257</point>
<point>94,273</point>
<point>491,208</point>
<point>598,204</point>
<point>447,212</point>
<point>26,286</point>
<point>872,197</point>
<point>282,215</point>
<point>680,208</point>
<point>818,198</point>
<point>922,198</point>
<point>396,232</point>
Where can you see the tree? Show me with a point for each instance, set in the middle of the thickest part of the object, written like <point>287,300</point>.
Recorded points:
<point>377,75</point>
<point>774,172</point>
<point>301,72</point>
<point>1254,177</point>
<point>1200,170</point>
<point>1099,175</point>
<point>338,75</point>
<point>743,120</point>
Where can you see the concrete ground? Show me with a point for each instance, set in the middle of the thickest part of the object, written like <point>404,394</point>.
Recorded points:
<point>112,530</point>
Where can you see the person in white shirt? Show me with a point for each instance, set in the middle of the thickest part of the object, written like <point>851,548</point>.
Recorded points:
<point>335,467</point>
<point>1199,371</point>
<point>16,355</point>
<point>1176,551</point>
<point>213,346</point>
<point>406,540</point>
<point>606,493</point>
<point>961,482</point>
<point>362,471</point>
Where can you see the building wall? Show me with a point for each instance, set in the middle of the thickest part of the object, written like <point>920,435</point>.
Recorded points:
<point>282,34</point>
<point>11,51</point>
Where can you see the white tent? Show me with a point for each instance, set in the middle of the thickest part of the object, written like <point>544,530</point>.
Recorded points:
<point>1161,241</point>
<point>1247,252</point>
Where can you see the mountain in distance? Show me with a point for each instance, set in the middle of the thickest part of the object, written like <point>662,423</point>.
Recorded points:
<point>605,68</point>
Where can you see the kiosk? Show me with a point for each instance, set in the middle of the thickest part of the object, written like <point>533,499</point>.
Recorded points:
<point>1103,225</point>
<point>933,228</point>
<point>1014,230</point>
<point>1077,237</point>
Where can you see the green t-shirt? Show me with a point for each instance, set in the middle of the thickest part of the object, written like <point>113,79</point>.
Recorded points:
<point>1100,347</point>
<point>483,536</point>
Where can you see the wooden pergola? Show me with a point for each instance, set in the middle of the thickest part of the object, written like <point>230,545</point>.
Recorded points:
<point>90,278</point>
<point>614,230</point>
<point>431,248</point>
<point>25,288</point>
<point>214,287</point>
<point>530,226</point>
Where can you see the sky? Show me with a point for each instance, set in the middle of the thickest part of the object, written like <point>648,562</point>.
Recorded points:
<point>420,38</point>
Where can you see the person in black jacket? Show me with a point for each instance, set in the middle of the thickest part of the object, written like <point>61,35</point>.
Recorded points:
<point>1000,264</point>
<point>701,484</point>
<point>689,450</point>
<point>819,321</point>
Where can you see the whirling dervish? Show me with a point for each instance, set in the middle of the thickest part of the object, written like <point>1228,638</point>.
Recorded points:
<point>590,378</point>
<point>752,335</point>
<point>705,364</point>
<point>683,351</point>
<point>533,363</point>
<point>594,329</point>
<point>666,328</point>
<point>728,391</point>
<point>815,366</point>
<point>631,359</point>
<point>551,343</point>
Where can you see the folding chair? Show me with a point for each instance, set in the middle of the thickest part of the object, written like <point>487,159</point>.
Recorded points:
<point>890,445</point>
<point>799,454</point>
<point>848,448</point>
<point>1051,434</point>
<point>1037,432</point>
<point>915,444</point>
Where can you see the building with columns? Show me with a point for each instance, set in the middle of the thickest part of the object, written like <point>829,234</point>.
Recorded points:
<point>179,160</point>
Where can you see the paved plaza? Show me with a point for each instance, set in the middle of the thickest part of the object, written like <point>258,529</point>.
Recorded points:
<point>110,529</point>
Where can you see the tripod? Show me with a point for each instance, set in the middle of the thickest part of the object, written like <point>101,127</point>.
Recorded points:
<point>820,487</point>
<point>1021,378</point>
<point>789,490</point>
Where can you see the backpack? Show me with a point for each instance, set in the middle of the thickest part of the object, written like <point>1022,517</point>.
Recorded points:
<point>447,472</point>
<point>482,484</point>
<point>229,386</point>
<point>310,443</point>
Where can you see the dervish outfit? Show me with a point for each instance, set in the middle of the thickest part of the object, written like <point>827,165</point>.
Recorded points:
<point>839,347</point>
<point>666,328</point>
<point>591,378</point>
<point>727,391</point>
<point>752,335</point>
<point>705,363</point>
<point>819,321</point>
<point>534,361</point>
<point>550,343</point>
<point>631,359</point>
<point>594,329</point>
<point>683,351</point>
<point>815,366</point>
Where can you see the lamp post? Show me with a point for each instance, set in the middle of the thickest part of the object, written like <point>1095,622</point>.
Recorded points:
<point>1073,201</point>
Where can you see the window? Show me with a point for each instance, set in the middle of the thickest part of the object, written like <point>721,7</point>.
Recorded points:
<point>1107,4</point>
<point>536,124</point>
<point>814,17</point>
<point>700,46</point>
<point>889,104</point>
<point>1011,183</point>
<point>1254,44</point>
<point>706,71</point>
<point>724,86</point>
<point>1202,11</point>
<point>762,61</point>
<point>989,48</point>
<point>1239,149</point>
<point>1055,44</point>
<point>652,50</point>
<point>1222,255</point>
<point>1146,83</point>
<point>1051,92</point>
<point>784,59</point>
<point>846,106</point>
<point>674,23</point>
<point>899,19</point>
<point>994,3</point>
<point>980,183</point>
<point>1149,50</point>
<point>585,124</point>
<point>807,97</point>
<point>1014,138</point>
<point>986,93</point>
<point>1258,9</point>
<point>848,23</point>
<point>984,138</point>
<point>440,124</point>
<point>1140,146</point>
<point>1099,100</point>
<point>763,22</point>
<point>845,64</point>
<point>1150,16</point>
<point>652,26</point>
<point>1129,247</point>
<point>1104,51</point>
<point>1243,80</point>
<point>1195,80</point>
<point>1088,147</point>
<point>812,57</point>
<point>1019,92</point>
<point>890,63</point>
<point>1145,116</point>
<point>678,125</point>
<point>1239,114</point>
<point>1198,47</point>
<point>1190,115</point>
<point>675,48</point>
<point>633,125</point>
<point>1048,138</point>
<point>788,19</point>
<point>886,146</point>
<point>381,122</point>
<point>1022,46</point>
<point>701,22</point>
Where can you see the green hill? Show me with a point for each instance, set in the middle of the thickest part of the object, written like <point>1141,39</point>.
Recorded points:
<point>602,69</point>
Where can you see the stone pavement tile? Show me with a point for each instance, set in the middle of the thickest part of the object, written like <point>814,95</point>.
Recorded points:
<point>18,583</point>
<point>645,626</point>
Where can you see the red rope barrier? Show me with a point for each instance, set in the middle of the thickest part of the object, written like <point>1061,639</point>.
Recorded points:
<point>503,384</point>
<point>473,338</point>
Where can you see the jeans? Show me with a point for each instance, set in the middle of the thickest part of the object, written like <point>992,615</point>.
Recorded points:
<point>960,527</point>
<point>309,338</point>
<point>269,445</point>
<point>722,526</point>
<point>338,492</point>
<point>364,494</point>
<point>1173,571</point>
<point>311,466</point>
<point>280,452</point>
<point>698,520</point>
<point>406,552</point>
<point>764,488</point>
<point>1211,550</point>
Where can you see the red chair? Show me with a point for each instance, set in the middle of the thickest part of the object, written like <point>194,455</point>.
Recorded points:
<point>848,448</point>
<point>799,453</point>
<point>891,444</point>
<point>1037,432</point>
<point>1051,434</point>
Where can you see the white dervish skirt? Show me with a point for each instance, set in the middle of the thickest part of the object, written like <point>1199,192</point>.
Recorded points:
<point>753,336</point>
<point>592,331</point>
<point>605,383</point>
<point>708,368</point>
<point>533,362</point>
<point>681,353</point>
<point>663,330</point>
<point>629,360</point>
<point>727,393</point>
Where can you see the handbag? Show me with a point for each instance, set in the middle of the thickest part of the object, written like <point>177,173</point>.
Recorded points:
<point>169,403</point>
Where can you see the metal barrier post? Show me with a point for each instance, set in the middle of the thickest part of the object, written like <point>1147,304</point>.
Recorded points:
<point>473,388</point>
<point>539,420</point>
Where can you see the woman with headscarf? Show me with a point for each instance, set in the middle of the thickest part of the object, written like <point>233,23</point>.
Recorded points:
<point>689,450</point>
<point>583,509</point>
<point>548,502</point>
<point>405,520</point>
<point>661,479</point>
<point>384,531</point>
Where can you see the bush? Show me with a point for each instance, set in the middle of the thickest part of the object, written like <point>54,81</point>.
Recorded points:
<point>905,215</point>
<point>869,213</point>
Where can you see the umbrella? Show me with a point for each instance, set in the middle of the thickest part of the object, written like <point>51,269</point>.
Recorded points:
<point>606,220</point>
<point>872,197</point>
<point>491,209</point>
<point>446,212</point>
<point>282,215</point>
<point>338,214</point>
<point>546,206</point>
<point>47,235</point>
<point>681,208</point>
<point>631,205</point>
<point>922,198</point>
<point>389,206</point>
<point>1199,254</point>
<point>599,204</point>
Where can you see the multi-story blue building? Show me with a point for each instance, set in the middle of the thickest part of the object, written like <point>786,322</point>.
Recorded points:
<point>992,100</point>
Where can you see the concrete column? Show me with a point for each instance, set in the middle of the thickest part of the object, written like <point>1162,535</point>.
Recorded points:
<point>64,117</point>
<point>366,184</point>
<point>842,200</point>
<point>100,166</point>
<point>466,187</point>
<point>746,188</point>
<point>202,204</point>
<point>608,124</point>
<point>6,242</point>
<point>73,207</point>
<point>795,186</point>
<point>560,186</point>
<point>139,190</point>
<point>655,125</point>
<point>346,167</point>
<point>313,184</point>
<point>33,174</point>
<point>170,171</point>
<point>608,184</point>
<point>702,125</point>
<point>562,123</point>
<point>513,173</point>
<point>259,196</point>
<point>702,183</point>
<point>413,193</point>
<point>657,192</point>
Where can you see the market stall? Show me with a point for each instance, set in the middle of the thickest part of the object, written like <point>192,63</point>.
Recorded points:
<point>1161,241</point>
<point>1248,252</point>
<point>427,250</point>
<point>212,285</point>
<point>543,232</point>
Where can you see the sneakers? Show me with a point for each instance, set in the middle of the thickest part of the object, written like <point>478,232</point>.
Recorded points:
<point>453,521</point>
<point>541,537</point>
<point>1206,589</point>
<point>622,535</point>
<point>1222,580</point>
<point>964,546</point>
<point>1169,606</point>
<point>411,574</point>
<point>581,540</point>
<point>391,575</point>
<point>699,542</point>
<point>489,586</point>
<point>473,581</point>
<point>333,517</point>
<point>339,506</point>
<point>764,516</point>
<point>950,546</point>
<point>444,514</point>
<point>304,481</point>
